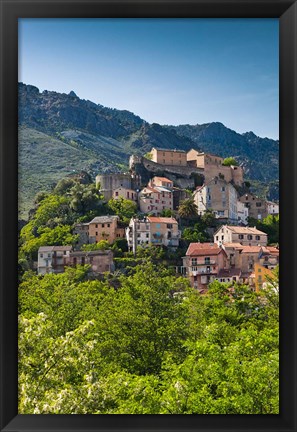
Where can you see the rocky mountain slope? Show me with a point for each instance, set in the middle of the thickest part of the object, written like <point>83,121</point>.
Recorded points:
<point>61,133</point>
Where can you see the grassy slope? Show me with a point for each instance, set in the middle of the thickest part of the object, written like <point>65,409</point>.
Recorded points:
<point>43,160</point>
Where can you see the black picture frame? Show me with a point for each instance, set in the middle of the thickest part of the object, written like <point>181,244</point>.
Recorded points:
<point>286,12</point>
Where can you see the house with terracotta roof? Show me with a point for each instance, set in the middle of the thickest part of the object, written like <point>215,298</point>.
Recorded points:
<point>269,257</point>
<point>158,231</point>
<point>153,200</point>
<point>203,262</point>
<point>246,236</point>
<point>161,181</point>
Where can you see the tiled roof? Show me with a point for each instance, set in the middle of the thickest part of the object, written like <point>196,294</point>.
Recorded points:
<point>148,189</point>
<point>242,230</point>
<point>103,219</point>
<point>201,249</point>
<point>163,179</point>
<point>271,250</point>
<point>54,248</point>
<point>161,219</point>
<point>250,249</point>
<point>168,150</point>
<point>233,245</point>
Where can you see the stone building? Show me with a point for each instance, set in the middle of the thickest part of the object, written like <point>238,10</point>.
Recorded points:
<point>154,200</point>
<point>272,208</point>
<point>213,166</point>
<point>157,231</point>
<point>105,228</point>
<point>220,197</point>
<point>52,259</point>
<point>161,181</point>
<point>110,182</point>
<point>257,206</point>
<point>125,193</point>
<point>101,261</point>
<point>169,156</point>
<point>246,236</point>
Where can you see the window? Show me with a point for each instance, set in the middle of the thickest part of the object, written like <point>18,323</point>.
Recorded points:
<point>128,195</point>
<point>83,260</point>
<point>48,255</point>
<point>207,260</point>
<point>223,188</point>
<point>65,252</point>
<point>258,204</point>
<point>169,226</point>
<point>217,238</point>
<point>41,255</point>
<point>116,194</point>
<point>103,225</point>
<point>163,153</point>
<point>259,270</point>
<point>138,235</point>
<point>222,237</point>
<point>194,261</point>
<point>96,226</point>
<point>223,203</point>
<point>250,237</point>
<point>108,225</point>
<point>158,225</point>
<point>163,160</point>
<point>147,235</point>
<point>246,198</point>
<point>241,236</point>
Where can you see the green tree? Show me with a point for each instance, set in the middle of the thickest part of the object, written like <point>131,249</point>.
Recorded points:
<point>230,161</point>
<point>123,208</point>
<point>188,209</point>
<point>101,245</point>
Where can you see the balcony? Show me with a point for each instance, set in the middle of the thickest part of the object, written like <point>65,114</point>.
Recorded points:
<point>194,271</point>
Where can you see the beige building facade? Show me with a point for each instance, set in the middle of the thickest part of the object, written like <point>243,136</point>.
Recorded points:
<point>171,157</point>
<point>220,197</point>
<point>125,193</point>
<point>105,228</point>
<point>153,200</point>
<point>156,231</point>
<point>100,261</point>
<point>246,236</point>
<point>213,167</point>
<point>161,181</point>
<point>257,206</point>
<point>52,259</point>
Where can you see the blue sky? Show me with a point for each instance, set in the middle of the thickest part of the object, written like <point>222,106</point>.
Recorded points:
<point>167,71</point>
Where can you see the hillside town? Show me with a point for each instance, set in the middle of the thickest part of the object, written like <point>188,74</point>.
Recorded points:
<point>159,184</point>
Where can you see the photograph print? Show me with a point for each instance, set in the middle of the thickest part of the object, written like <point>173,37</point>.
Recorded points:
<point>148,216</point>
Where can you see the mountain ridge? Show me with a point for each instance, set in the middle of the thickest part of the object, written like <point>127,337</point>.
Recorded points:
<point>106,137</point>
